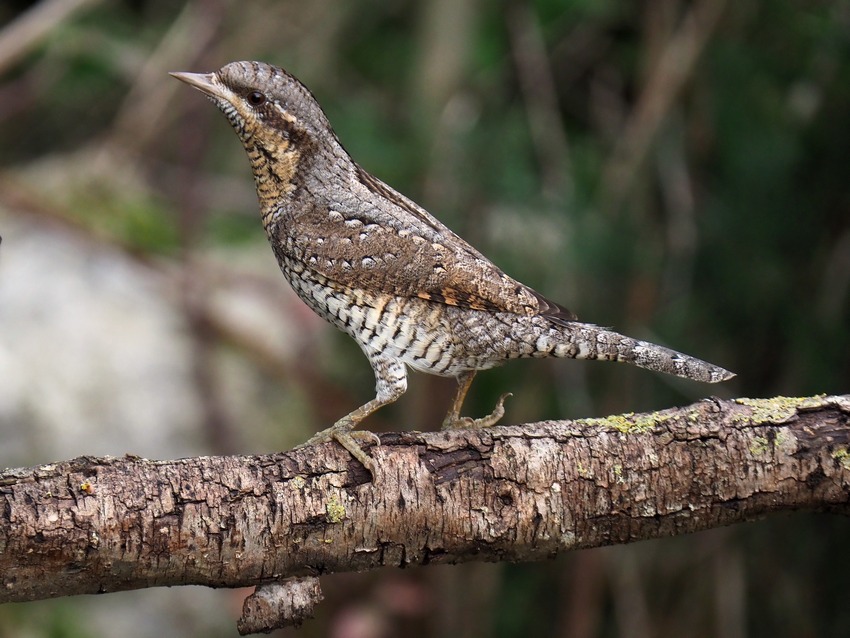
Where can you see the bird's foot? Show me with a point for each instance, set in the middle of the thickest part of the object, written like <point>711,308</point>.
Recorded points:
<point>455,422</point>
<point>342,434</point>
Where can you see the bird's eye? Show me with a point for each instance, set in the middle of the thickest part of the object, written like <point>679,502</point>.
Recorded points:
<point>255,98</point>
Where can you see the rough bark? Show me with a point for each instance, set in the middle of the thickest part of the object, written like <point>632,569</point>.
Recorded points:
<point>518,493</point>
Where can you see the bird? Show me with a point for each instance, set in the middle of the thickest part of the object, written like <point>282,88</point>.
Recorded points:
<point>412,293</point>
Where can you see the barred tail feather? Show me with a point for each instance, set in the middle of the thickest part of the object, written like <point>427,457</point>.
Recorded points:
<point>587,341</point>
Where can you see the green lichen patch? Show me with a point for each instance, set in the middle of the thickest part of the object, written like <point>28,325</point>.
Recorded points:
<point>334,510</point>
<point>759,446</point>
<point>777,409</point>
<point>631,423</point>
<point>842,455</point>
<point>618,474</point>
<point>628,423</point>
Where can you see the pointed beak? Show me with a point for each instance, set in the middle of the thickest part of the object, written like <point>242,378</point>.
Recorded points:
<point>204,82</point>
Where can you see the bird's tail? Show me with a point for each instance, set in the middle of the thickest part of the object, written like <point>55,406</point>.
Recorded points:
<point>587,341</point>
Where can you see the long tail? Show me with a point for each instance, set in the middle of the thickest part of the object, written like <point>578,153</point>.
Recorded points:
<point>587,341</point>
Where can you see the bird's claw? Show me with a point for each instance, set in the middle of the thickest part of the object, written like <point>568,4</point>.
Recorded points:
<point>342,434</point>
<point>490,420</point>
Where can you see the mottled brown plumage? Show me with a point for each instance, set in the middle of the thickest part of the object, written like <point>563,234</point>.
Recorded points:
<point>384,270</point>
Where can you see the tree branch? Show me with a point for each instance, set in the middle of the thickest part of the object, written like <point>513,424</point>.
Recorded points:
<point>517,493</point>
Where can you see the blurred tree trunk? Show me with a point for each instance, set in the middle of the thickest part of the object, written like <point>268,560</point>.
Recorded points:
<point>518,493</point>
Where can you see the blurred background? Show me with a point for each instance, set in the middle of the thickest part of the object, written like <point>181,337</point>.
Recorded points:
<point>678,170</point>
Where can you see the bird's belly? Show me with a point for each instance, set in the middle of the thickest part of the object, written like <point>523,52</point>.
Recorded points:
<point>427,336</point>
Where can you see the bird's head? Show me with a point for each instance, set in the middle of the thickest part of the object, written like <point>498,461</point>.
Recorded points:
<point>277,118</point>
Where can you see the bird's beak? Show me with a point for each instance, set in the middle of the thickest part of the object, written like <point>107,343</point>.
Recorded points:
<point>204,82</point>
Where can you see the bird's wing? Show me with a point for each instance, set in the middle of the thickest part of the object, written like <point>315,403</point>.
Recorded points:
<point>395,246</point>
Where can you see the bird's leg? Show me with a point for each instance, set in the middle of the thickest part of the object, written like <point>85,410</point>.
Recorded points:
<point>341,432</point>
<point>390,384</point>
<point>453,419</point>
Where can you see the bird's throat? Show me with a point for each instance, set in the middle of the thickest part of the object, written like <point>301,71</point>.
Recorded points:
<point>274,171</point>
